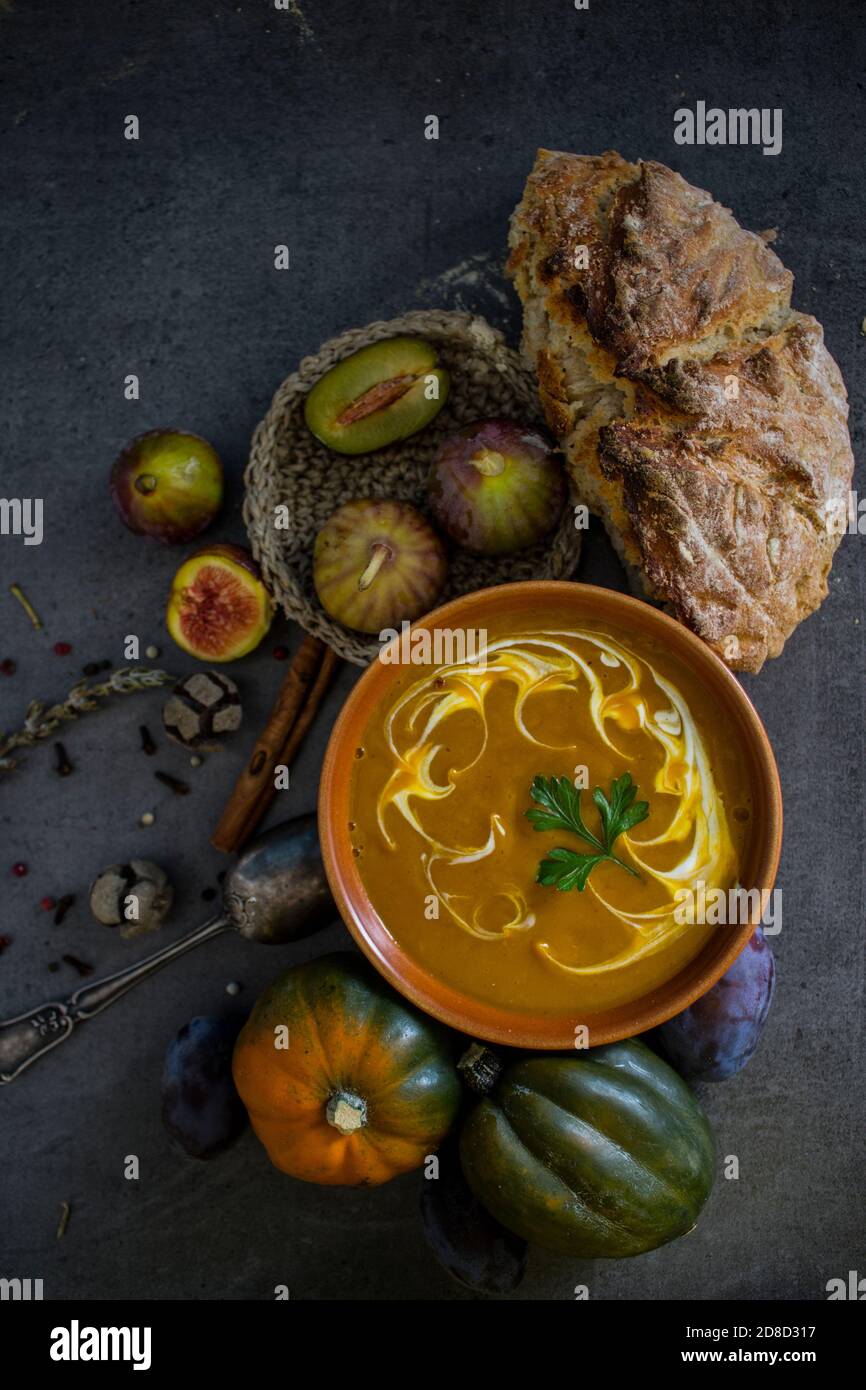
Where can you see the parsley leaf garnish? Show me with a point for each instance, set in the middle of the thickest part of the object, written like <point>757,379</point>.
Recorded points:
<point>559,803</point>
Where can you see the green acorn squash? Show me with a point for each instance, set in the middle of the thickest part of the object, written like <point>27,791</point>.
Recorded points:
<point>602,1155</point>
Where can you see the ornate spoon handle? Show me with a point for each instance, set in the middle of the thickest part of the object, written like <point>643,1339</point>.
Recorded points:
<point>29,1036</point>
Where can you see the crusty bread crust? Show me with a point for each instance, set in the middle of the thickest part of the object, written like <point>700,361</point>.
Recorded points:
<point>702,418</point>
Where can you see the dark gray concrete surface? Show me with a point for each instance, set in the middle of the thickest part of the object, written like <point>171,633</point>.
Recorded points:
<point>306,127</point>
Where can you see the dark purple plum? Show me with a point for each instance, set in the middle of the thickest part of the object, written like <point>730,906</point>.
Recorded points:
<point>467,1241</point>
<point>201,1109</point>
<point>715,1037</point>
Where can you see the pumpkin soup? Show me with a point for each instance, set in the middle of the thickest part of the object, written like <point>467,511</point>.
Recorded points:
<point>484,863</point>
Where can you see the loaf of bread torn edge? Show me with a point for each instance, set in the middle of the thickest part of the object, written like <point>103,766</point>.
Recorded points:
<point>701,416</point>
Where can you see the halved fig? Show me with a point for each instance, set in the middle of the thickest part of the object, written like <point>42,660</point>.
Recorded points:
<point>383,393</point>
<point>496,486</point>
<point>376,564</point>
<point>218,608</point>
<point>167,484</point>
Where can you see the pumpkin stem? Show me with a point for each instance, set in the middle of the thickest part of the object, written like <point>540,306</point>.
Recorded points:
<point>346,1112</point>
<point>480,1068</point>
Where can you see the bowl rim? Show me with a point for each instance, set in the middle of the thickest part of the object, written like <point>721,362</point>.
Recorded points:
<point>463,1012</point>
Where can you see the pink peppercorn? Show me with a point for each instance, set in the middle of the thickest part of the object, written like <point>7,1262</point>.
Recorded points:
<point>48,904</point>
<point>280,653</point>
<point>62,648</point>
<point>8,667</point>
<point>19,870</point>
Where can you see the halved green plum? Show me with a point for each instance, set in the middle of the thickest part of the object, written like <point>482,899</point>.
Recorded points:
<point>376,564</point>
<point>496,486</point>
<point>167,484</point>
<point>381,394</point>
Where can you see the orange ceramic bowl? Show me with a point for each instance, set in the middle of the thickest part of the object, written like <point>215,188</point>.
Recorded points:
<point>544,598</point>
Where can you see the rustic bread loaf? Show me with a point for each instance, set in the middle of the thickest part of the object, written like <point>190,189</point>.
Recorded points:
<point>701,416</point>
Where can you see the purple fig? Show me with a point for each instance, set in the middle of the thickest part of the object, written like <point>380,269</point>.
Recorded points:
<point>495,487</point>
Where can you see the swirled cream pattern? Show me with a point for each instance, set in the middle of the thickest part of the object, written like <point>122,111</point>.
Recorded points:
<point>642,704</point>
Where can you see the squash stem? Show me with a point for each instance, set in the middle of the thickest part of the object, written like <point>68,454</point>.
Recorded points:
<point>480,1068</point>
<point>346,1112</point>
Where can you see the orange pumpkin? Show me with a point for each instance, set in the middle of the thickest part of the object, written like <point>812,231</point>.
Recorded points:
<point>344,1082</point>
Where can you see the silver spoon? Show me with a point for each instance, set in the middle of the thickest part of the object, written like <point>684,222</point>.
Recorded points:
<point>276,892</point>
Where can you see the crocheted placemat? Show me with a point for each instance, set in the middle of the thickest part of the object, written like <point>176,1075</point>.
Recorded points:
<point>288,466</point>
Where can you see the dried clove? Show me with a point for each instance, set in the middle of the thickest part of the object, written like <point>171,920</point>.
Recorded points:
<point>82,966</point>
<point>173,783</point>
<point>62,765</point>
<point>147,744</point>
<point>63,907</point>
<point>4,942</point>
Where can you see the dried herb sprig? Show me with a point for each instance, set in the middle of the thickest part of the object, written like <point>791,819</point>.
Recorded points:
<point>65,1213</point>
<point>40,723</point>
<point>18,593</point>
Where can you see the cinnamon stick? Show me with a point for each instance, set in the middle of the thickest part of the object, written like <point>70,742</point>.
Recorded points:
<point>294,739</point>
<point>242,812</point>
